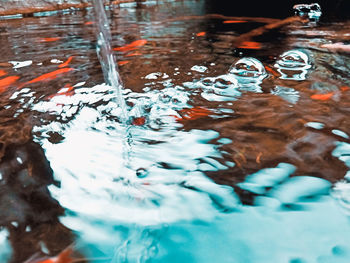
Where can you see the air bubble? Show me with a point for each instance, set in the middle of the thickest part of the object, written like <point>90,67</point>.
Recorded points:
<point>248,67</point>
<point>294,59</point>
<point>249,72</point>
<point>312,11</point>
<point>293,65</point>
<point>141,173</point>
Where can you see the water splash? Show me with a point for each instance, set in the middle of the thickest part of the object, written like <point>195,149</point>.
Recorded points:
<point>107,58</point>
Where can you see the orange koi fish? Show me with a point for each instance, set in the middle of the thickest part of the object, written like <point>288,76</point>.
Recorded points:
<point>2,73</point>
<point>250,45</point>
<point>344,88</point>
<point>234,21</point>
<point>272,71</point>
<point>66,63</point>
<point>190,114</point>
<point>201,34</point>
<point>48,39</point>
<point>133,54</point>
<point>6,82</point>
<point>123,62</point>
<point>50,76</point>
<point>323,97</point>
<point>131,46</point>
<point>89,23</point>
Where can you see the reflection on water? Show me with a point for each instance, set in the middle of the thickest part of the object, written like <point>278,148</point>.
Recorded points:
<point>233,155</point>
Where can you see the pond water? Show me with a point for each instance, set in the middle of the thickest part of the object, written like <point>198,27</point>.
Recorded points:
<point>236,147</point>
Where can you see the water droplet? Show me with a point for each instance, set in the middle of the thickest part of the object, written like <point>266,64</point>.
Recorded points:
<point>248,67</point>
<point>312,11</point>
<point>293,65</point>
<point>141,173</point>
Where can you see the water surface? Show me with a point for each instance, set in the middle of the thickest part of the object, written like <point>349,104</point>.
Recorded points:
<point>236,151</point>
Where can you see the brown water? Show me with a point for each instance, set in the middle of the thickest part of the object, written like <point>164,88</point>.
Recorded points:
<point>198,126</point>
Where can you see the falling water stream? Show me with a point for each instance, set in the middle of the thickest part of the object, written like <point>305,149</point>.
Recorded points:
<point>111,75</point>
<point>107,57</point>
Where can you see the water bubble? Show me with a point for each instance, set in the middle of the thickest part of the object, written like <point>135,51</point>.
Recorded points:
<point>312,11</point>
<point>293,59</point>
<point>221,88</point>
<point>293,64</point>
<point>141,173</point>
<point>249,72</point>
<point>248,67</point>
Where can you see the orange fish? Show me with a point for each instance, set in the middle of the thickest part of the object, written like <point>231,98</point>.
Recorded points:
<point>6,82</point>
<point>272,71</point>
<point>323,97</point>
<point>89,23</point>
<point>258,157</point>
<point>66,63</point>
<point>201,34</point>
<point>2,73</point>
<point>50,76</point>
<point>345,88</point>
<point>193,113</point>
<point>250,45</point>
<point>133,54</point>
<point>123,62</point>
<point>63,257</point>
<point>234,21</point>
<point>131,46</point>
<point>139,121</point>
<point>49,39</point>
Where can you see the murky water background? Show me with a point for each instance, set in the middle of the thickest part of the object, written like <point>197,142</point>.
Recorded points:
<point>235,151</point>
